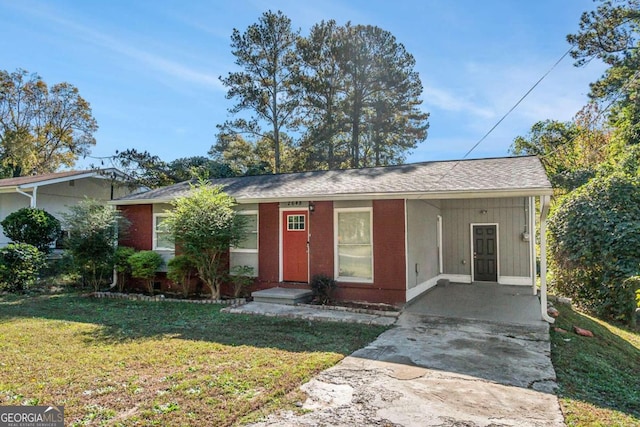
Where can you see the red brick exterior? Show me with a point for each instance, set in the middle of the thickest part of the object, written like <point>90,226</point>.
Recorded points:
<point>140,233</point>
<point>389,257</point>
<point>269,243</point>
<point>321,240</point>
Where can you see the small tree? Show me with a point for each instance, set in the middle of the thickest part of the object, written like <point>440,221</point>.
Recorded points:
<point>144,265</point>
<point>205,225</point>
<point>20,264</point>
<point>93,236</point>
<point>180,271</point>
<point>33,226</point>
<point>122,265</point>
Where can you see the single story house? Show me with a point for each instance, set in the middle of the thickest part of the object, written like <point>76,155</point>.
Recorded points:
<point>54,192</point>
<point>386,234</point>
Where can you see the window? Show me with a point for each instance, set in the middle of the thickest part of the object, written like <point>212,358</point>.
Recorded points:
<point>161,237</point>
<point>249,242</point>
<point>295,222</point>
<point>354,249</point>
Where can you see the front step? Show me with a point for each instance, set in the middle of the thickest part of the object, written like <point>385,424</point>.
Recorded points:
<point>286,296</point>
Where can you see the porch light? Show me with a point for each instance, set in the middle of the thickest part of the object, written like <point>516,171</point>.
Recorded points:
<point>312,207</point>
<point>483,212</point>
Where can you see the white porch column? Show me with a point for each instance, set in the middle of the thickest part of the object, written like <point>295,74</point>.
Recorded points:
<point>531,229</point>
<point>544,210</point>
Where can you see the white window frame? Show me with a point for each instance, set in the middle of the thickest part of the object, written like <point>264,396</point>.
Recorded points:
<point>250,251</point>
<point>155,233</point>
<point>336,255</point>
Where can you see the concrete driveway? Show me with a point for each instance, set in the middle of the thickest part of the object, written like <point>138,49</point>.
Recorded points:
<point>435,371</point>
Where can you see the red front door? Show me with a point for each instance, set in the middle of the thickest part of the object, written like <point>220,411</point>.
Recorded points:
<point>295,235</point>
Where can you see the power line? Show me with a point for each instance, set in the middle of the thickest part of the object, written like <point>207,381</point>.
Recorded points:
<point>517,103</point>
<point>507,113</point>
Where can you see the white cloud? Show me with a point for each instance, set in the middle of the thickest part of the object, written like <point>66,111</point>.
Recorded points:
<point>449,101</point>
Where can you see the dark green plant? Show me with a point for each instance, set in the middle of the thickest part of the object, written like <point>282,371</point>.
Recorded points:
<point>205,225</point>
<point>594,245</point>
<point>121,264</point>
<point>241,277</point>
<point>180,270</point>
<point>33,226</point>
<point>93,238</point>
<point>144,265</point>
<point>323,288</point>
<point>20,264</point>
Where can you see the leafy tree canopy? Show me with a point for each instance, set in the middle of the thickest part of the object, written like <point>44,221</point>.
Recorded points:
<point>204,226</point>
<point>41,128</point>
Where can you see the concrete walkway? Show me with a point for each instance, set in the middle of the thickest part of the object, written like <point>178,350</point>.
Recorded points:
<point>435,371</point>
<point>311,313</point>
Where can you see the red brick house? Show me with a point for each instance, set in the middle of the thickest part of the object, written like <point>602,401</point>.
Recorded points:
<point>386,234</point>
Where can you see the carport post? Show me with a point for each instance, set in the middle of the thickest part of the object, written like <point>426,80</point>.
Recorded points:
<point>544,210</point>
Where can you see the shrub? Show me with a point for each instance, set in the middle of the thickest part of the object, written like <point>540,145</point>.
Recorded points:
<point>93,237</point>
<point>121,264</point>
<point>594,243</point>
<point>144,265</point>
<point>20,264</point>
<point>323,288</point>
<point>205,226</point>
<point>180,270</point>
<point>33,226</point>
<point>241,277</point>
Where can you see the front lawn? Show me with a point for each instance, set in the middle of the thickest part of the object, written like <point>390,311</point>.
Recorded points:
<point>599,377</point>
<point>119,362</point>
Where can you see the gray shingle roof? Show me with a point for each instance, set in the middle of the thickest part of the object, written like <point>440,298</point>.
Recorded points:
<point>500,175</point>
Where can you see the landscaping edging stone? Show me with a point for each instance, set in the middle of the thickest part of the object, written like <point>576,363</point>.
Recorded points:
<point>139,297</point>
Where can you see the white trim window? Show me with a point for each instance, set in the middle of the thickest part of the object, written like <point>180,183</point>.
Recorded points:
<point>162,240</point>
<point>249,243</point>
<point>353,229</point>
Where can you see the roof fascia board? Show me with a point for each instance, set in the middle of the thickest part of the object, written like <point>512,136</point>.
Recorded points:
<point>369,196</point>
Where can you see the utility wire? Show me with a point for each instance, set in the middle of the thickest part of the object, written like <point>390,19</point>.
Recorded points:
<point>517,103</point>
<point>507,113</point>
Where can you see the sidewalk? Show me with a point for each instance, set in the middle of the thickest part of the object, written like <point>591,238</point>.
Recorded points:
<point>312,313</point>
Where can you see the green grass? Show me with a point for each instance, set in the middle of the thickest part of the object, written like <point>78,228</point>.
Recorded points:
<point>599,377</point>
<point>118,362</point>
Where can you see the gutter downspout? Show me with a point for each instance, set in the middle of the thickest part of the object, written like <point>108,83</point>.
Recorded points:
<point>115,279</point>
<point>544,210</point>
<point>32,196</point>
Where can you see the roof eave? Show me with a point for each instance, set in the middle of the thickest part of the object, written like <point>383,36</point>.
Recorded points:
<point>462,194</point>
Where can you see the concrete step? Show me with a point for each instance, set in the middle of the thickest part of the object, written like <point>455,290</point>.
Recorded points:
<point>286,296</point>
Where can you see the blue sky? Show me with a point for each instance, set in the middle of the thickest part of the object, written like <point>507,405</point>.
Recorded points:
<point>150,68</point>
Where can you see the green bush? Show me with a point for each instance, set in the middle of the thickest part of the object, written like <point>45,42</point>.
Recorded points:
<point>121,264</point>
<point>93,238</point>
<point>144,265</point>
<point>20,264</point>
<point>205,225</point>
<point>594,245</point>
<point>323,288</point>
<point>241,277</point>
<point>180,269</point>
<point>34,226</point>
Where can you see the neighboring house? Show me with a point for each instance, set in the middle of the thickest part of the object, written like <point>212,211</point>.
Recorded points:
<point>54,192</point>
<point>386,234</point>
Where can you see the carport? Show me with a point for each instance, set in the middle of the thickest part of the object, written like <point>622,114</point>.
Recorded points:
<point>480,301</point>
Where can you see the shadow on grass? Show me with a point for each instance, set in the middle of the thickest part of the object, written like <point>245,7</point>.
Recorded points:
<point>603,371</point>
<point>123,320</point>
